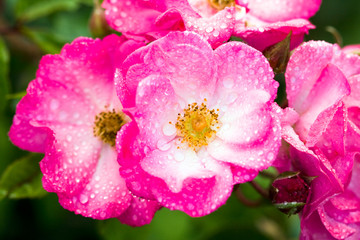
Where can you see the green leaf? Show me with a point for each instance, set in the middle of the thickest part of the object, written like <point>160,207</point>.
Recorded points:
<point>45,40</point>
<point>4,81</point>
<point>18,95</point>
<point>167,224</point>
<point>22,179</point>
<point>28,10</point>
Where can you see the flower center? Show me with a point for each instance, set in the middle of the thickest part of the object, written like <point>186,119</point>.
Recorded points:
<point>221,4</point>
<point>197,125</point>
<point>107,124</point>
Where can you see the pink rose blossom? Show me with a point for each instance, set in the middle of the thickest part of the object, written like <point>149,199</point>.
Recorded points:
<point>204,120</point>
<point>268,22</point>
<point>66,115</point>
<point>321,86</point>
<point>156,18</point>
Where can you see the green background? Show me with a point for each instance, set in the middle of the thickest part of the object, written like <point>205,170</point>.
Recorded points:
<point>32,28</point>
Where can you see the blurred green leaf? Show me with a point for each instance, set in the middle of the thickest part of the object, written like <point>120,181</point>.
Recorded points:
<point>4,81</point>
<point>166,225</point>
<point>22,179</point>
<point>31,189</point>
<point>45,40</point>
<point>27,10</point>
<point>18,95</point>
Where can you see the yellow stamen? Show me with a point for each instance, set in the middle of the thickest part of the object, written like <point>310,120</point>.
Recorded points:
<point>197,125</point>
<point>107,124</point>
<point>221,4</point>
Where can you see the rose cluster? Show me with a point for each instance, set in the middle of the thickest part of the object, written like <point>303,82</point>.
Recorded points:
<point>173,113</point>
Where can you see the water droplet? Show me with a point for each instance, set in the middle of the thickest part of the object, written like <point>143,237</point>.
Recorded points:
<point>209,29</point>
<point>179,156</point>
<point>169,129</point>
<point>163,145</point>
<point>83,199</point>
<point>190,206</point>
<point>17,121</point>
<point>54,104</point>
<point>228,82</point>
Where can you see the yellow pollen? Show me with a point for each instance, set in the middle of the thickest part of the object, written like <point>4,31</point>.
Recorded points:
<point>221,4</point>
<point>197,125</point>
<point>107,124</point>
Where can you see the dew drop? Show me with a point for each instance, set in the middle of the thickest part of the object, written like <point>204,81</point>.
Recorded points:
<point>228,82</point>
<point>54,104</point>
<point>163,145</point>
<point>179,156</point>
<point>209,29</point>
<point>169,129</point>
<point>83,199</point>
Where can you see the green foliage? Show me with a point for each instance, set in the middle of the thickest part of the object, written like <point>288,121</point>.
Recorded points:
<point>26,10</point>
<point>22,179</point>
<point>45,40</point>
<point>4,81</point>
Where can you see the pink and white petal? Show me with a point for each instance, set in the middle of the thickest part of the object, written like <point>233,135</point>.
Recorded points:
<point>242,69</point>
<point>257,154</point>
<point>85,66</point>
<point>46,103</point>
<point>179,58</point>
<point>183,57</point>
<point>283,10</point>
<point>105,195</point>
<point>305,67</point>
<point>203,8</point>
<point>331,139</point>
<point>216,29</point>
<point>355,178</point>
<point>248,125</point>
<point>24,135</point>
<point>174,165</point>
<point>140,212</point>
<point>121,47</point>
<point>283,160</point>
<point>318,127</point>
<point>199,196</point>
<point>124,16</point>
<point>130,151</point>
<point>324,186</point>
<point>264,35</point>
<point>352,49</point>
<point>346,201</point>
<point>156,111</point>
<point>353,100</point>
<point>242,175</point>
<point>325,96</point>
<point>348,63</point>
<point>70,160</point>
<point>312,228</point>
<point>337,229</point>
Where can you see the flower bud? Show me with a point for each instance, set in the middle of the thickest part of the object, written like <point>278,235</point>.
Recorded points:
<point>97,23</point>
<point>278,54</point>
<point>289,192</point>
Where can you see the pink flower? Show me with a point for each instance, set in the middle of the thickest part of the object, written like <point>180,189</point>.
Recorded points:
<point>325,138</point>
<point>268,22</point>
<point>204,120</point>
<point>156,18</point>
<point>72,114</point>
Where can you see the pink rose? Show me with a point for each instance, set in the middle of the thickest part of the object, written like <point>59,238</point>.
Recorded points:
<point>321,86</point>
<point>155,18</point>
<point>204,120</point>
<point>268,22</point>
<point>72,114</point>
